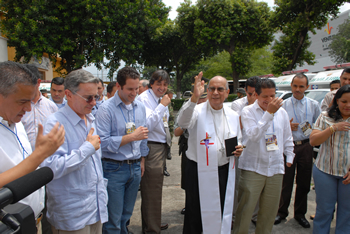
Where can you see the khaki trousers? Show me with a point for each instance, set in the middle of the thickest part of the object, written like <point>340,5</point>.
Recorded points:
<point>152,187</point>
<point>95,228</point>
<point>254,187</point>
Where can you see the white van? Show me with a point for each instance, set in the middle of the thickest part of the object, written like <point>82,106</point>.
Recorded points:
<point>283,82</point>
<point>322,79</point>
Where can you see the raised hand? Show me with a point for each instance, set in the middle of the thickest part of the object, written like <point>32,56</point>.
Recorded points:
<point>198,88</point>
<point>165,100</point>
<point>274,105</point>
<point>94,140</point>
<point>48,144</point>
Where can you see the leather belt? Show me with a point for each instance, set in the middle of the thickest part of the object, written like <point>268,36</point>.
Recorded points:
<point>39,218</point>
<point>301,142</point>
<point>155,142</point>
<point>122,162</point>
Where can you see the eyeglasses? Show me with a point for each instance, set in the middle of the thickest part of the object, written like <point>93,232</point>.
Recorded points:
<point>220,89</point>
<point>90,98</point>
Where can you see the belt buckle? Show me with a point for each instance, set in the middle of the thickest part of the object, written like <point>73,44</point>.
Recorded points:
<point>298,142</point>
<point>128,161</point>
<point>38,219</point>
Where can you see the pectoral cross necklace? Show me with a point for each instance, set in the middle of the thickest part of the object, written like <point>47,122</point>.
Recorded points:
<point>222,149</point>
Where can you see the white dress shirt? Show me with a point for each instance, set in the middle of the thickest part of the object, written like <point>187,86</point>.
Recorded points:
<point>12,153</point>
<point>188,116</point>
<point>239,104</point>
<point>154,114</point>
<point>42,109</point>
<point>255,157</point>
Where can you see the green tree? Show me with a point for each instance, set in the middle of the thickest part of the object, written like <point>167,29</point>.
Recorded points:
<point>261,61</point>
<point>218,65</point>
<point>339,49</point>
<point>235,26</point>
<point>81,32</point>
<point>175,45</point>
<point>295,19</point>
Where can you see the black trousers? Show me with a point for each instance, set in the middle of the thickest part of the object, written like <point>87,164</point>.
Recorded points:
<point>193,220</point>
<point>303,166</point>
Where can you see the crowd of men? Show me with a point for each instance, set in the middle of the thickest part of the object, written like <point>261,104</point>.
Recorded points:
<point>102,150</point>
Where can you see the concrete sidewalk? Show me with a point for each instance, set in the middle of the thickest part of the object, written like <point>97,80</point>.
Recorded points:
<point>174,201</point>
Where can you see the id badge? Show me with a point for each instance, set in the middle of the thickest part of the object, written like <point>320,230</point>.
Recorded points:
<point>130,127</point>
<point>306,128</point>
<point>165,121</point>
<point>271,142</point>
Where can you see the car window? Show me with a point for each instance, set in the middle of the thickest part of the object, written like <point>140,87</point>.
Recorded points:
<point>316,95</point>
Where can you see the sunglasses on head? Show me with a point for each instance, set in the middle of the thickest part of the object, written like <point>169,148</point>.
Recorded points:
<point>90,98</point>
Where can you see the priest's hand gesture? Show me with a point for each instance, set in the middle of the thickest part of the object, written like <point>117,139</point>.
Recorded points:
<point>198,88</point>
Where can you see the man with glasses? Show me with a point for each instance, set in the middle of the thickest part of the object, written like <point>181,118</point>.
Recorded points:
<point>210,173</point>
<point>77,196</point>
<point>121,124</point>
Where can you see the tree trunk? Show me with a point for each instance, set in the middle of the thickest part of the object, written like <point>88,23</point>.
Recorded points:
<point>302,38</point>
<point>178,83</point>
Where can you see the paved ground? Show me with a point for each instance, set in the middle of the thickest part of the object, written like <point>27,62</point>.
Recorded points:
<point>174,200</point>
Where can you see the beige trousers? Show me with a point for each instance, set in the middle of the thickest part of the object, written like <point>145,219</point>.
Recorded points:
<point>95,228</point>
<point>254,187</point>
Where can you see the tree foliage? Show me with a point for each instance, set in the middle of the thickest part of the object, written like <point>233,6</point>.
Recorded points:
<point>175,47</point>
<point>295,19</point>
<point>339,49</point>
<point>81,32</point>
<point>235,26</point>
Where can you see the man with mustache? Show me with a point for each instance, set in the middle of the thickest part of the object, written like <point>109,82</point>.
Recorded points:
<point>157,117</point>
<point>302,112</point>
<point>267,136</point>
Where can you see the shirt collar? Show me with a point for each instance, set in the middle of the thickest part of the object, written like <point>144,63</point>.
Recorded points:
<point>154,96</point>
<point>302,101</point>
<point>73,117</point>
<point>119,101</point>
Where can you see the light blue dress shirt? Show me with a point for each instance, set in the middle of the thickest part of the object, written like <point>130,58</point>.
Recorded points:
<point>111,119</point>
<point>77,195</point>
<point>98,104</point>
<point>298,110</point>
<point>64,102</point>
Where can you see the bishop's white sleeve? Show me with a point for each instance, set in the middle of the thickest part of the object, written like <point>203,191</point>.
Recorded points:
<point>187,115</point>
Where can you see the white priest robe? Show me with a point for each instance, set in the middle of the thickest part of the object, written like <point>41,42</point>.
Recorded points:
<point>203,148</point>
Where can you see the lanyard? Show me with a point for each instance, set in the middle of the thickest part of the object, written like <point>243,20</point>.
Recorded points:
<point>153,97</point>
<point>15,133</point>
<point>127,110</point>
<point>294,109</point>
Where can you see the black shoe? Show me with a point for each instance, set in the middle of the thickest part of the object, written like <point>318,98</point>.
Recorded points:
<point>278,219</point>
<point>303,222</point>
<point>166,173</point>
<point>183,210</point>
<point>254,222</point>
<point>169,156</point>
<point>164,226</point>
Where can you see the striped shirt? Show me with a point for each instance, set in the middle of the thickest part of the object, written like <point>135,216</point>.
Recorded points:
<point>38,115</point>
<point>334,155</point>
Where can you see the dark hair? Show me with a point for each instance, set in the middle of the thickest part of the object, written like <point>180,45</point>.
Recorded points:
<point>264,84</point>
<point>57,81</point>
<point>301,75</point>
<point>101,81</point>
<point>12,73</point>
<point>110,86</point>
<point>333,111</point>
<point>334,82</point>
<point>347,70</point>
<point>127,73</point>
<point>159,75</point>
<point>252,81</point>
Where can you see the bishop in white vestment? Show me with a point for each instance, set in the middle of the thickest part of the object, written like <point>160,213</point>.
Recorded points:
<point>210,173</point>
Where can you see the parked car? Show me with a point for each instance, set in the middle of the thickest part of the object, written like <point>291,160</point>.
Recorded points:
<point>186,94</point>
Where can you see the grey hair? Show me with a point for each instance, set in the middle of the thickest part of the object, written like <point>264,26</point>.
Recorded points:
<point>77,77</point>
<point>220,77</point>
<point>145,83</point>
<point>12,73</point>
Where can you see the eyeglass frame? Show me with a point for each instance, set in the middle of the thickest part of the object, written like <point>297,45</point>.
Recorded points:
<point>92,97</point>
<point>222,89</point>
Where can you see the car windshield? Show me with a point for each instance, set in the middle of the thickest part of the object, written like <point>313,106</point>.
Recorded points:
<point>278,94</point>
<point>316,95</point>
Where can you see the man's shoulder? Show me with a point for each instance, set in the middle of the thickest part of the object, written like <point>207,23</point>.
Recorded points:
<point>228,110</point>
<point>50,103</point>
